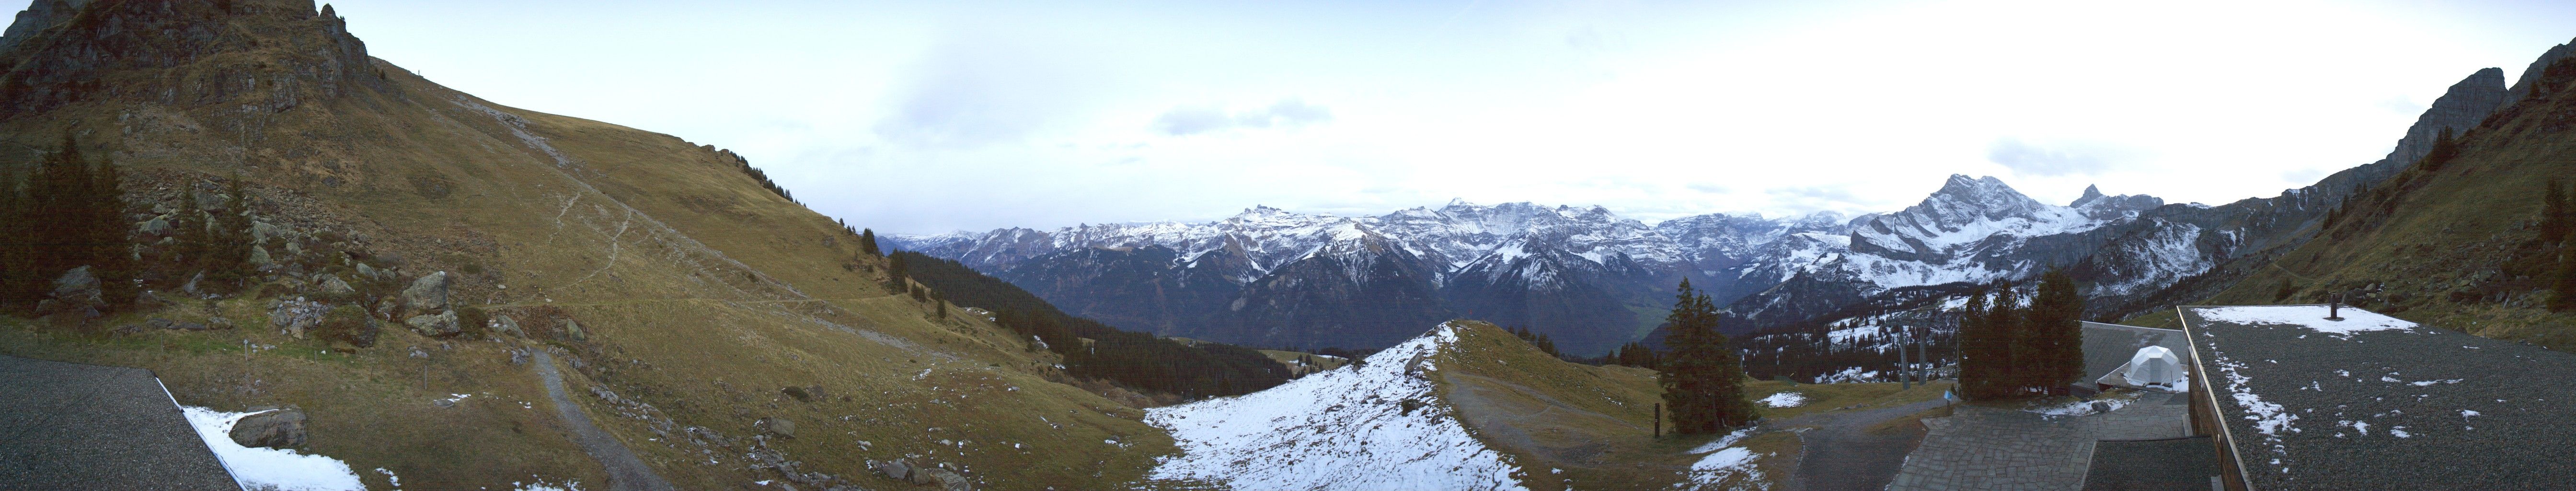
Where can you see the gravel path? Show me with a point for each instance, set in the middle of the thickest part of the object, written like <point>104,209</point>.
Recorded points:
<point>1841,452</point>
<point>625,472</point>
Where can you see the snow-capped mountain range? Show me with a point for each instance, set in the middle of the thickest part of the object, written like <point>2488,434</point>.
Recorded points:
<point>1581,274</point>
<point>1593,280</point>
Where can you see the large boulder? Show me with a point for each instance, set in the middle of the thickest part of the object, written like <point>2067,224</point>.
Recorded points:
<point>155,227</point>
<point>283,428</point>
<point>77,287</point>
<point>427,294</point>
<point>776,426</point>
<point>503,325</point>
<point>443,324</point>
<point>572,332</point>
<point>259,257</point>
<point>946,480</point>
<point>336,289</point>
<point>892,469</point>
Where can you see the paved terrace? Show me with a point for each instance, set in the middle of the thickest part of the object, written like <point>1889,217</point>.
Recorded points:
<point>2373,402</point>
<point>74,426</point>
<point>2005,449</point>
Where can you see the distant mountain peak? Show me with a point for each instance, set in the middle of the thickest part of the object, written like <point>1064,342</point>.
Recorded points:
<point>2091,192</point>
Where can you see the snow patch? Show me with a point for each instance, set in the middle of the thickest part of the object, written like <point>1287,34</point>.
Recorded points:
<point>1785,399</point>
<point>266,469</point>
<point>1377,425</point>
<point>2312,317</point>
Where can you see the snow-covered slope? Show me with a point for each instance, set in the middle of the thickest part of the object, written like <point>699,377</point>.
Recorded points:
<point>1376,425</point>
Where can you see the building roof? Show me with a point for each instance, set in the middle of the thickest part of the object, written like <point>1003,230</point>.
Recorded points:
<point>2179,464</point>
<point>2374,402</point>
<point>2108,346</point>
<point>75,426</point>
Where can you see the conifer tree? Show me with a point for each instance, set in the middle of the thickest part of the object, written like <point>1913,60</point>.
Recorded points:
<point>895,275</point>
<point>868,242</point>
<point>109,235</point>
<point>18,277</point>
<point>228,243</point>
<point>2054,321</point>
<point>1981,350</point>
<point>2562,295</point>
<point>2444,149</point>
<point>188,235</point>
<point>1703,380</point>
<point>2555,217</point>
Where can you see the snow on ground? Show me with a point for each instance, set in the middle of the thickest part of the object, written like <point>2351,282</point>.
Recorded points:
<point>1848,375</point>
<point>2080,407</point>
<point>2312,317</point>
<point>1376,425</point>
<point>1724,461</point>
<point>262,469</point>
<point>1785,399</point>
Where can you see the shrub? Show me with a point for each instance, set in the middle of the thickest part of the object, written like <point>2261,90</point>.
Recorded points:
<point>350,324</point>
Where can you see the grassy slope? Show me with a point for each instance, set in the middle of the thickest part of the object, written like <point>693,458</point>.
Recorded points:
<point>706,320</point>
<point>1596,423</point>
<point>2453,249</point>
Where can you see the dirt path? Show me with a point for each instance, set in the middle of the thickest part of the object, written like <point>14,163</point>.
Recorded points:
<point>1842,453</point>
<point>625,472</point>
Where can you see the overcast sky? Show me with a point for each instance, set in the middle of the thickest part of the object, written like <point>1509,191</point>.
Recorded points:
<point>925,117</point>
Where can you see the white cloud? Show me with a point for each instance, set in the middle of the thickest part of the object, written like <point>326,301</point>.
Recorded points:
<point>1036,114</point>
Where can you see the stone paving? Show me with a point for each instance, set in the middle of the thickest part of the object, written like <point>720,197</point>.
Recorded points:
<point>2009,449</point>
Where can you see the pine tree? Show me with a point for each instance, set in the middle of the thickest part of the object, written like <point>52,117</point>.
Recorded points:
<point>188,236</point>
<point>2554,213</point>
<point>18,277</point>
<point>109,235</point>
<point>227,259</point>
<point>1704,380</point>
<point>868,242</point>
<point>895,275</point>
<point>2444,149</point>
<point>2057,332</point>
<point>1981,356</point>
<point>2562,296</point>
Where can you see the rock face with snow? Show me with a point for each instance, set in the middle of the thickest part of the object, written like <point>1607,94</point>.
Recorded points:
<point>1379,424</point>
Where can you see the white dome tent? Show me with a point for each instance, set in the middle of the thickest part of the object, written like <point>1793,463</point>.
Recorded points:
<point>2155,366</point>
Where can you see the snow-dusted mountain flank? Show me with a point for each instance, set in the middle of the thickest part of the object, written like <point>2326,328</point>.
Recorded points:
<point>1592,280</point>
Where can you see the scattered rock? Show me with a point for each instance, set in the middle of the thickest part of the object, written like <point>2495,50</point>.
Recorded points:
<point>502,324</point>
<point>156,227</point>
<point>282,428</point>
<point>804,394</point>
<point>297,315</point>
<point>945,479</point>
<point>572,331</point>
<point>191,287</point>
<point>259,257</point>
<point>776,426</point>
<point>148,300</point>
<point>367,271</point>
<point>219,323</point>
<point>260,232</point>
<point>892,469</point>
<point>160,323</point>
<point>336,289</point>
<point>427,294</point>
<point>76,289</point>
<point>129,329</point>
<point>443,324</point>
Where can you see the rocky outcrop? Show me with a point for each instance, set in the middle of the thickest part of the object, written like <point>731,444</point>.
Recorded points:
<point>427,295</point>
<point>2522,85</point>
<point>75,292</point>
<point>441,325</point>
<point>280,428</point>
<point>779,427</point>
<point>333,287</point>
<point>39,15</point>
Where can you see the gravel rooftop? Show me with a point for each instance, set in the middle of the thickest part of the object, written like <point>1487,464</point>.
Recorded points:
<point>2372,402</point>
<point>76,426</point>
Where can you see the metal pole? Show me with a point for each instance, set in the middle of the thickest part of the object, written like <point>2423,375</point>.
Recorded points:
<point>1904,371</point>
